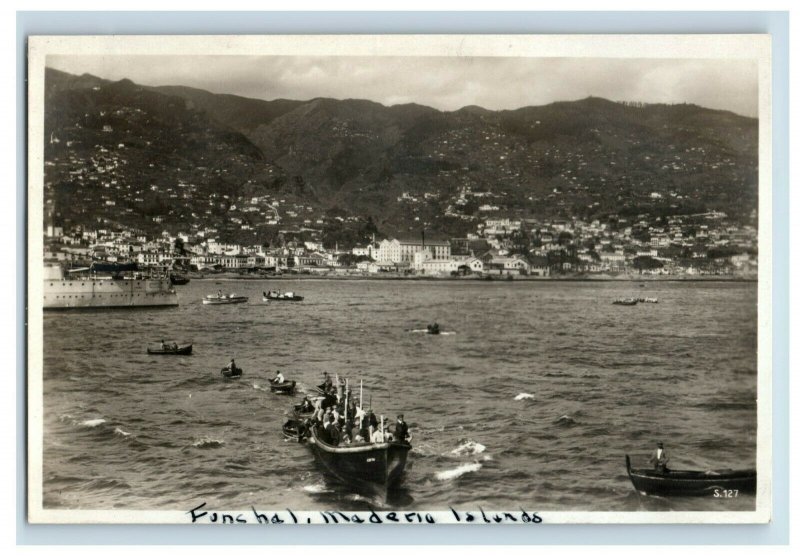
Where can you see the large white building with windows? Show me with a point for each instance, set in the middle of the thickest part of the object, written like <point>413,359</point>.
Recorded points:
<point>403,250</point>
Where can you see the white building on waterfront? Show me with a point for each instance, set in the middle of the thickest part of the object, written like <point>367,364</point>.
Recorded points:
<point>403,250</point>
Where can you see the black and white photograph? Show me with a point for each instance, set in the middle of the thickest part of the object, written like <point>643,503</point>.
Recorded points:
<point>511,279</point>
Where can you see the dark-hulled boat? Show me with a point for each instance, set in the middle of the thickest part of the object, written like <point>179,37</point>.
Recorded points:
<point>231,373</point>
<point>169,349</point>
<point>625,301</point>
<point>178,280</point>
<point>278,296</point>
<point>691,483</point>
<point>375,467</point>
<point>282,388</point>
<point>299,413</point>
<point>291,430</point>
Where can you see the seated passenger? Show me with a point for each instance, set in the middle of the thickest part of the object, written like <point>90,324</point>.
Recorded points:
<point>278,378</point>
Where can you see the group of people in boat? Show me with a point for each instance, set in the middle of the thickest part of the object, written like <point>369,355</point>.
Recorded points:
<point>339,420</point>
<point>169,347</point>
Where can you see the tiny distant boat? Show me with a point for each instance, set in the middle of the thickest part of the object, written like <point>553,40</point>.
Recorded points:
<point>278,296</point>
<point>178,280</point>
<point>282,388</point>
<point>170,349</point>
<point>625,301</point>
<point>224,299</point>
<point>433,329</point>
<point>231,373</point>
<point>691,483</point>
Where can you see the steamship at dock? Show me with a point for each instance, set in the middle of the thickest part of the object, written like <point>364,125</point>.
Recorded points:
<point>104,285</point>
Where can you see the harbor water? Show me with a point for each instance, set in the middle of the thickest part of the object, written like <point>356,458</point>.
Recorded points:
<point>530,398</point>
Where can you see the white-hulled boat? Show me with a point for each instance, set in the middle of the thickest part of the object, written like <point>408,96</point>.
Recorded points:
<point>220,299</point>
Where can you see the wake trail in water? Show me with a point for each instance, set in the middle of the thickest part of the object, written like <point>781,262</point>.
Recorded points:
<point>451,474</point>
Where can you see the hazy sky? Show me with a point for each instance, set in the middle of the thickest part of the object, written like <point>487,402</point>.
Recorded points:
<point>446,83</point>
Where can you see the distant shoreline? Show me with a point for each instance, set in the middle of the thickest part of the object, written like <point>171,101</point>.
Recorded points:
<point>601,278</point>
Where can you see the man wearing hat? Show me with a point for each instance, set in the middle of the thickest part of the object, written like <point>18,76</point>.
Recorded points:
<point>659,458</point>
<point>401,430</point>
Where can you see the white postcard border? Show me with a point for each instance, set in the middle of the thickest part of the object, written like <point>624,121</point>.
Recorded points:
<point>750,46</point>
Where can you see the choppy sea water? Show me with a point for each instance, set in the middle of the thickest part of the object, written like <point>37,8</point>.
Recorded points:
<point>531,400</point>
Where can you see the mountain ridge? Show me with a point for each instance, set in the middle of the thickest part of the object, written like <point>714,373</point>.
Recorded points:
<point>590,157</point>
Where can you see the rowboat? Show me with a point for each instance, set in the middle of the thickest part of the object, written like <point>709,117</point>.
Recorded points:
<point>297,409</point>
<point>376,467</point>
<point>627,301</point>
<point>182,349</point>
<point>282,388</point>
<point>231,373</point>
<point>224,299</point>
<point>291,430</point>
<point>278,296</point>
<point>691,483</point>
<point>178,280</point>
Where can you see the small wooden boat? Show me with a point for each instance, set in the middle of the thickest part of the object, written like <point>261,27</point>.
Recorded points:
<point>178,280</point>
<point>626,301</point>
<point>290,430</point>
<point>224,299</point>
<point>691,483</point>
<point>295,429</point>
<point>286,387</point>
<point>298,412</point>
<point>376,467</point>
<point>278,296</point>
<point>231,373</point>
<point>170,349</point>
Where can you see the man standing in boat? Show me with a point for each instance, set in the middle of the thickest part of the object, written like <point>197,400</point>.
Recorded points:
<point>659,459</point>
<point>401,433</point>
<point>334,436</point>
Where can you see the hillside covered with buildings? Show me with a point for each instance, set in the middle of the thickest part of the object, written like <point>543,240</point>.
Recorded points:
<point>177,176</point>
